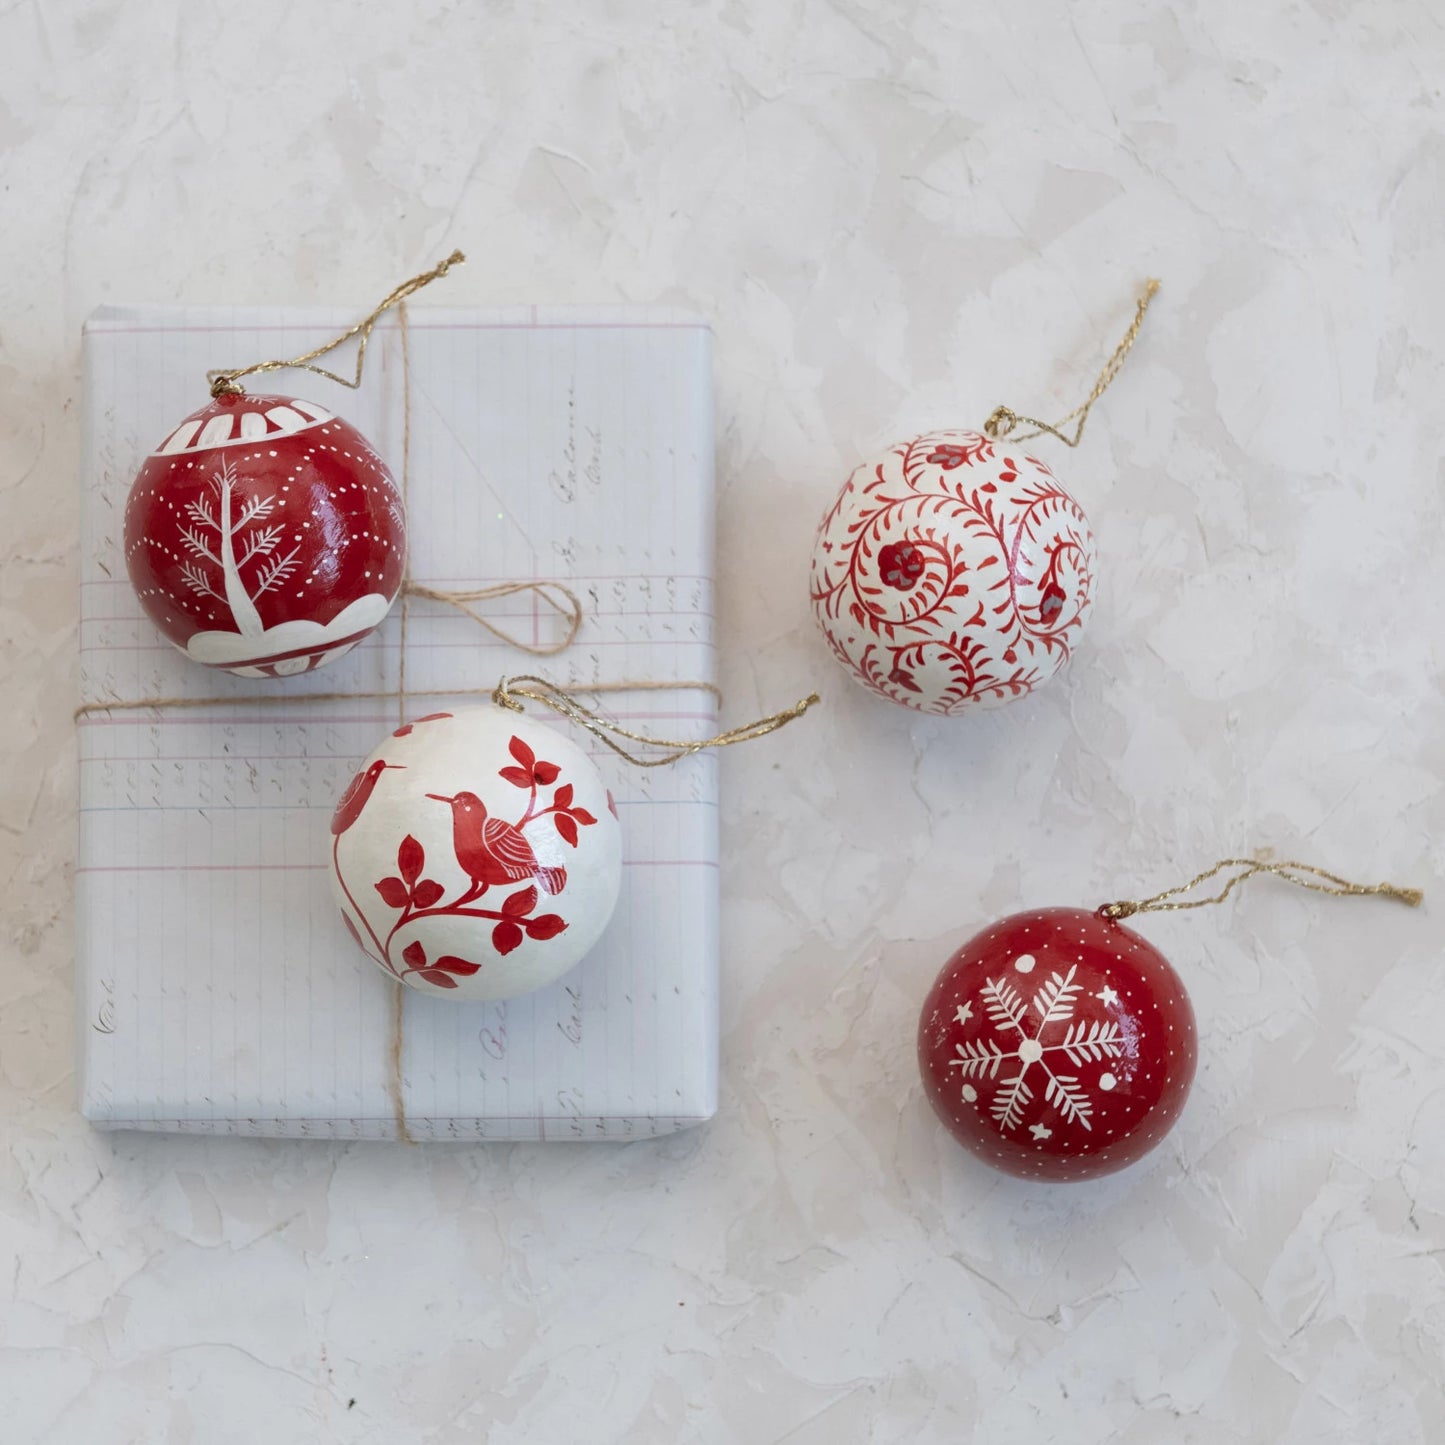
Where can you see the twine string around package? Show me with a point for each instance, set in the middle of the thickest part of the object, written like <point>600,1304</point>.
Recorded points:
<point>506,695</point>
<point>560,598</point>
<point>1302,875</point>
<point>1003,420</point>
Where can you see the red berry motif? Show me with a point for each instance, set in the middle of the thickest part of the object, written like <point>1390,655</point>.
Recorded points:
<point>900,564</point>
<point>949,455</point>
<point>1057,1045</point>
<point>264,536</point>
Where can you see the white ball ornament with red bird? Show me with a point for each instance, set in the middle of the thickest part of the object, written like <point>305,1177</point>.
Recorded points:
<point>476,854</point>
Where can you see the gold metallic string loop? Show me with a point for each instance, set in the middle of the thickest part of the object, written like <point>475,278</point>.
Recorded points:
<point>1002,420</point>
<point>539,690</point>
<point>229,380</point>
<point>1302,875</point>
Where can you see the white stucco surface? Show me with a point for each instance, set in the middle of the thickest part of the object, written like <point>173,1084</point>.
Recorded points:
<point>897,216</point>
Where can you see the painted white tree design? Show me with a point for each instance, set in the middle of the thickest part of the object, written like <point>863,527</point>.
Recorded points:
<point>233,551</point>
<point>1081,1042</point>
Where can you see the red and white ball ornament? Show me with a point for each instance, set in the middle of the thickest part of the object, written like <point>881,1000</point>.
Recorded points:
<point>954,571</point>
<point>1057,1045</point>
<point>476,854</point>
<point>265,536</point>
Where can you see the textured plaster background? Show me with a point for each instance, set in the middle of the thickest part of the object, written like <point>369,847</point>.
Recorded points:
<point>897,215</point>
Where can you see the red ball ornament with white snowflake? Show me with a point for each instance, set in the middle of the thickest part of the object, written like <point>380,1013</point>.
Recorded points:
<point>265,536</point>
<point>953,571</point>
<point>1057,1045</point>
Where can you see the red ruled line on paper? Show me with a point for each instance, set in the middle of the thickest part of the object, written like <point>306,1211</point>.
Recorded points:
<point>325,867</point>
<point>100,329</point>
<point>573,580</point>
<point>272,720</point>
<point>462,644</point>
<point>451,615</point>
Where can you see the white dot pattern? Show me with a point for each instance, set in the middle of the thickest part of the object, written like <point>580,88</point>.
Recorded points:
<point>241,539</point>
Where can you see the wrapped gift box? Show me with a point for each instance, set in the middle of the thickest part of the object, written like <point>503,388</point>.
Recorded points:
<point>217,989</point>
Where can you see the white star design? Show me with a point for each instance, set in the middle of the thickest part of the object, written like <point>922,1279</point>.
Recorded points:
<point>965,1012</point>
<point>1041,1132</point>
<point>1106,995</point>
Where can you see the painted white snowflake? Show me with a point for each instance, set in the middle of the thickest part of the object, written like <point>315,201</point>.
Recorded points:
<point>1081,1041</point>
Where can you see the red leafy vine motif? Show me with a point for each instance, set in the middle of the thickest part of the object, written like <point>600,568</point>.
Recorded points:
<point>951,571</point>
<point>406,728</point>
<point>491,851</point>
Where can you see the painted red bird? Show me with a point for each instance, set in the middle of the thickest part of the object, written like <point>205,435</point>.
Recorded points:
<point>492,851</point>
<point>353,800</point>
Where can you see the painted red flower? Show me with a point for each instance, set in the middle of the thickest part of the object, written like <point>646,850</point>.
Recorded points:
<point>410,888</point>
<point>901,565</point>
<point>394,893</point>
<point>443,973</point>
<point>517,921</point>
<point>948,456</point>
<point>531,773</point>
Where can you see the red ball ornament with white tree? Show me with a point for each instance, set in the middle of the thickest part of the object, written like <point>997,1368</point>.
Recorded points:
<point>1060,1045</point>
<point>265,536</point>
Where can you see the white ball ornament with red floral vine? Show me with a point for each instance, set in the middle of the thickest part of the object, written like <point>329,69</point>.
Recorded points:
<point>476,855</point>
<point>954,571</point>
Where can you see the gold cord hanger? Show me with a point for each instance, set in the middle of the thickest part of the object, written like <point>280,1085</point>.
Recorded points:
<point>228,380</point>
<point>1002,420</point>
<point>1302,875</point>
<point>539,690</point>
